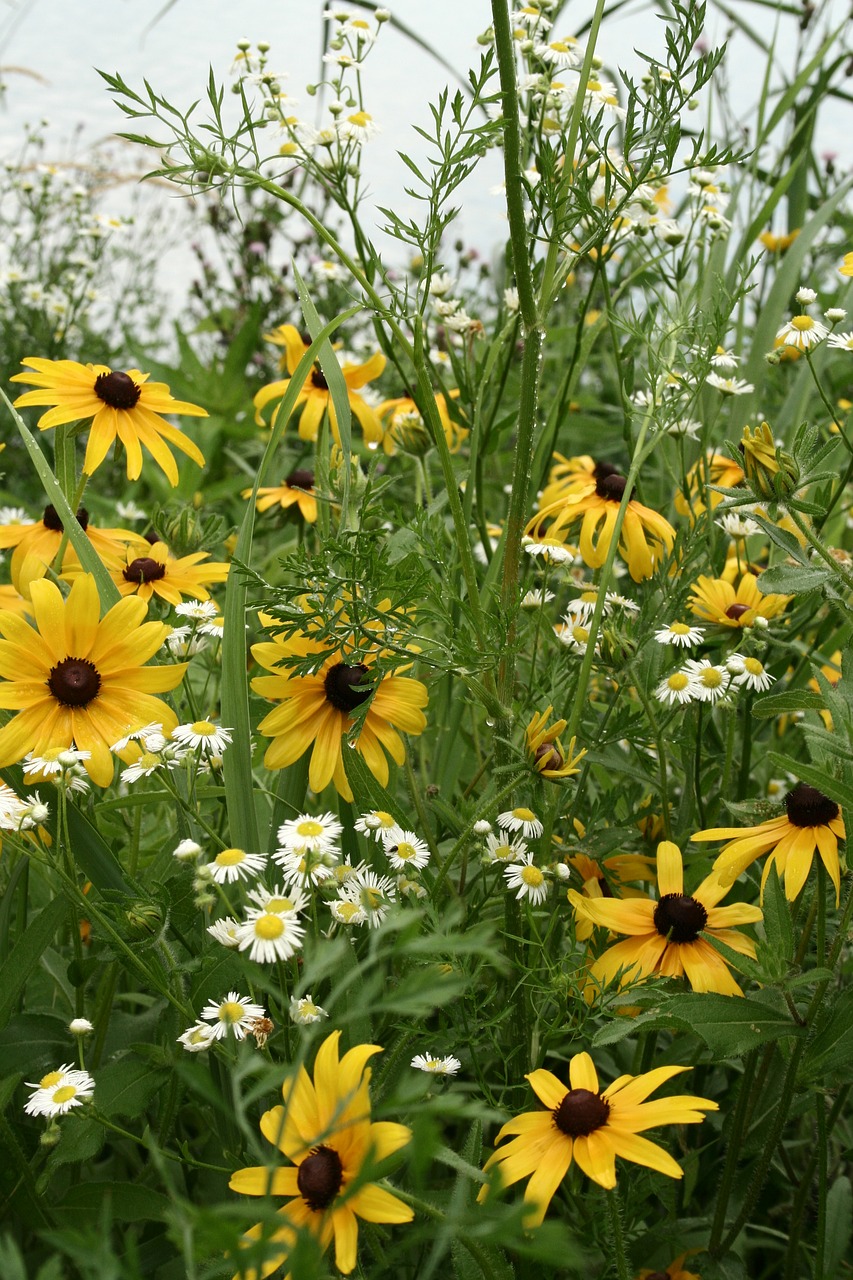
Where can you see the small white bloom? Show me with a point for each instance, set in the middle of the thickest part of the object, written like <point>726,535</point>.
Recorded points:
<point>204,736</point>
<point>413,888</point>
<point>236,864</point>
<point>404,850</point>
<point>679,633</point>
<point>511,299</point>
<point>130,511</point>
<point>711,682</point>
<point>729,386</point>
<point>80,1026</point>
<point>536,599</point>
<point>374,894</point>
<point>149,735</point>
<point>59,1091</point>
<point>278,901</point>
<point>687,428</point>
<point>301,866</point>
<point>345,911</point>
<point>196,1039</point>
<point>234,1013</point>
<point>802,332</point>
<point>804,296</point>
<point>503,848</point>
<point>376,823</point>
<point>197,610</point>
<point>213,628</point>
<point>841,341</point>
<point>835,315</point>
<point>269,936</point>
<point>482,827</point>
<point>751,674</point>
<point>309,834</point>
<point>359,127</point>
<point>441,284</point>
<point>521,819</point>
<point>527,879</point>
<point>677,687</point>
<point>54,761</point>
<point>722,359</point>
<point>436,1066</point>
<point>225,931</point>
<point>14,515</point>
<point>554,552</point>
<point>187,851</point>
<point>304,1011</point>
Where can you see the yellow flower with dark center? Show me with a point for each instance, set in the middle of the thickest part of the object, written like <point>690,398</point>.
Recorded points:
<point>297,490</point>
<point>622,869</point>
<point>75,680</point>
<point>13,601</point>
<point>406,430</point>
<point>155,571</point>
<point>716,600</point>
<point>550,759</point>
<point>317,709</point>
<point>713,469</point>
<point>325,1132</point>
<point>315,397</point>
<point>670,937</point>
<point>645,537</point>
<point>573,476</point>
<point>590,1126</point>
<point>812,823</point>
<point>123,406</point>
<point>36,545</point>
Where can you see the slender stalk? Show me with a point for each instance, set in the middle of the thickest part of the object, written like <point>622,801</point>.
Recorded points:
<point>816,543</point>
<point>733,1151</point>
<point>617,1234</point>
<point>822,1157</point>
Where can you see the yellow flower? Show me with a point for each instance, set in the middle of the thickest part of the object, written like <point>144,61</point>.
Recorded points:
<point>158,572</point>
<point>675,1270</point>
<point>668,937</point>
<point>622,869</point>
<point>778,243</point>
<point>405,428</point>
<point>543,744</point>
<point>36,546</point>
<point>716,600</point>
<point>812,823</point>
<point>316,709</point>
<point>846,268</point>
<point>75,680</point>
<point>297,489</point>
<point>590,1126</point>
<point>713,469</point>
<point>314,396</point>
<point>645,535</point>
<point>325,1133</point>
<point>122,406</point>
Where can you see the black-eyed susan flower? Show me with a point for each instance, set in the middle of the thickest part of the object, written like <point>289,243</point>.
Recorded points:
<point>549,757</point>
<point>37,543</point>
<point>717,600</point>
<point>315,710</point>
<point>324,1131</point>
<point>315,398</point>
<point>621,871</point>
<point>645,537</point>
<point>590,1126</point>
<point>714,469</point>
<point>296,489</point>
<point>123,406</point>
<point>670,936</point>
<point>154,571</point>
<point>811,823</point>
<point>75,680</point>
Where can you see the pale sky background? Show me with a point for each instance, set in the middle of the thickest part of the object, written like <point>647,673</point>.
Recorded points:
<point>64,40</point>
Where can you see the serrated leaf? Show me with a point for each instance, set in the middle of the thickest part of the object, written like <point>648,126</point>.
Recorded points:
<point>788,702</point>
<point>792,580</point>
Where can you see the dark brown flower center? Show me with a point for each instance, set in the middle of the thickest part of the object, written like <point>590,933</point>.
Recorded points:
<point>611,487</point>
<point>318,379</point>
<point>680,918</point>
<point>602,469</point>
<point>549,756</point>
<point>340,683</point>
<point>581,1112</point>
<point>51,519</point>
<point>300,479</point>
<point>74,682</point>
<point>808,807</point>
<point>320,1177</point>
<point>144,569</point>
<point>658,1275</point>
<point>736,611</point>
<point>118,390</point>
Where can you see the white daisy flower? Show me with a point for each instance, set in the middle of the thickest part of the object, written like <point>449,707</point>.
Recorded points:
<point>279,901</point>
<point>520,819</point>
<point>552,551</point>
<point>235,864</point>
<point>679,633</point>
<point>130,511</point>
<point>54,761</point>
<point>339,58</point>
<point>269,936</point>
<point>441,284</point>
<point>304,1011</point>
<point>14,515</point>
<point>359,127</point>
<point>149,762</point>
<point>504,849</point>
<point>527,879</point>
<point>404,850</point>
<point>213,628</point>
<point>749,673</point>
<point>376,823</point>
<point>196,1039</point>
<point>536,599</point>
<point>687,428</point>
<point>511,299</point>
<point>531,17</point>
<point>802,332</point>
<point>413,888</point>
<point>196,610</point>
<point>561,54</point>
<point>482,827</point>
<point>177,638</point>
<point>678,687</point>
<point>711,682</point>
<point>57,1092</point>
<point>80,1027</point>
<point>149,735</point>
<point>225,931</point>
<point>436,1066</point>
<point>33,812</point>
<point>573,636</point>
<point>722,359</point>
<point>622,602</point>
<point>835,315</point>
<point>308,834</point>
<point>345,911</point>
<point>842,341</point>
<point>804,296</point>
<point>375,894</point>
<point>737,526</point>
<point>234,1013</point>
<point>297,865</point>
<point>582,608</point>
<point>729,386</point>
<point>187,851</point>
<point>203,735</point>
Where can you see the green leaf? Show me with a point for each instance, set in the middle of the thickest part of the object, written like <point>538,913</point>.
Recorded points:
<point>27,952</point>
<point>787,702</point>
<point>115,1201</point>
<point>830,1053</point>
<point>730,1025</point>
<point>840,792</point>
<point>81,1139</point>
<point>839,1226</point>
<point>90,560</point>
<point>778,929</point>
<point>125,1088</point>
<point>33,1038</point>
<point>792,579</point>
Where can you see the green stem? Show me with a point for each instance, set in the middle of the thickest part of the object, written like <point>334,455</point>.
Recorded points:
<point>733,1151</point>
<point>815,542</point>
<point>617,1234</point>
<point>495,803</point>
<point>822,1154</point>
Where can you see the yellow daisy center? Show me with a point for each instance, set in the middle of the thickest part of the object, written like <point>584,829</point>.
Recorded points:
<point>309,828</point>
<point>532,877</point>
<point>278,905</point>
<point>710,677</point>
<point>230,857</point>
<point>65,1094</point>
<point>361,119</point>
<point>802,323</point>
<point>679,628</point>
<point>753,666</point>
<point>147,760</point>
<point>347,910</point>
<point>231,1011</point>
<point>269,926</point>
<point>524,815</point>
<point>203,728</point>
<point>52,1078</point>
<point>678,681</point>
<point>405,850</point>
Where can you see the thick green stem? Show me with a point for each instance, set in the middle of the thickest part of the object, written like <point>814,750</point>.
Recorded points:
<point>822,1158</point>
<point>733,1151</point>
<point>617,1235</point>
